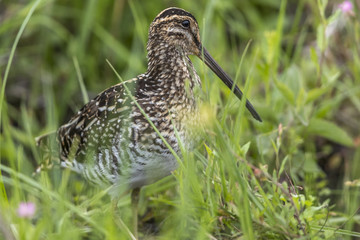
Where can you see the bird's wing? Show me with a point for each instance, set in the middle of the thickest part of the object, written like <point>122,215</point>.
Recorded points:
<point>95,123</point>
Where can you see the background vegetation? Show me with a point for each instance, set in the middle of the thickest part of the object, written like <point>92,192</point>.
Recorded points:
<point>294,176</point>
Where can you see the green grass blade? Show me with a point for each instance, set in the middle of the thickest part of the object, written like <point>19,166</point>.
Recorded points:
<point>7,71</point>
<point>81,80</point>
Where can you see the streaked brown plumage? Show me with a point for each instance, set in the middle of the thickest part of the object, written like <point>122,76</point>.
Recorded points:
<point>110,141</point>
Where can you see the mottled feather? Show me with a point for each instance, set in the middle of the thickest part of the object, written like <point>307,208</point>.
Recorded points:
<point>110,141</point>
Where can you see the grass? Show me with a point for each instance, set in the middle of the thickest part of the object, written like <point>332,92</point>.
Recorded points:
<point>294,176</point>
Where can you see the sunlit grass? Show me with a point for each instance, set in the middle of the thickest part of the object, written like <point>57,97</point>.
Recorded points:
<point>250,180</point>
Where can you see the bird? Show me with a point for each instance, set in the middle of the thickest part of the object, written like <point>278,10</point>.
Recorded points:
<point>111,140</point>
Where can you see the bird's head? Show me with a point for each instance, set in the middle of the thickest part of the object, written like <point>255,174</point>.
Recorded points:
<point>175,28</point>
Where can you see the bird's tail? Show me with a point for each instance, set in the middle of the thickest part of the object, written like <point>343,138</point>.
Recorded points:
<point>49,151</point>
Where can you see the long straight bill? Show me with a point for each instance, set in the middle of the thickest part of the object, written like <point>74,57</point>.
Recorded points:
<point>214,66</point>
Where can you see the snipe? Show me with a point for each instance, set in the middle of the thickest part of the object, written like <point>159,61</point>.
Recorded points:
<point>110,141</point>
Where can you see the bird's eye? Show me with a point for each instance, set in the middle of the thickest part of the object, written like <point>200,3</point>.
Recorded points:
<point>185,23</point>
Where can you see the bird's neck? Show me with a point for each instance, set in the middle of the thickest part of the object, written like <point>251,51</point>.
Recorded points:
<point>171,81</point>
<point>170,67</point>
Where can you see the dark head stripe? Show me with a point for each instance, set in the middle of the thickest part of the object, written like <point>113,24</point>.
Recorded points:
<point>174,11</point>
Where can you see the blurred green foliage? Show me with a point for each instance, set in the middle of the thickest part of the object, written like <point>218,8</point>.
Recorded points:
<point>293,176</point>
